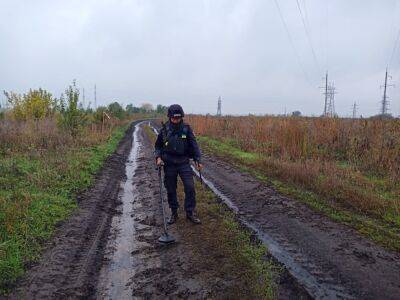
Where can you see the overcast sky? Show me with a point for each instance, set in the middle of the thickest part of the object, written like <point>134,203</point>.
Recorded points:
<point>190,52</point>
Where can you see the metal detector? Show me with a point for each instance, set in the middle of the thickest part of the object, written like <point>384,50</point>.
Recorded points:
<point>165,238</point>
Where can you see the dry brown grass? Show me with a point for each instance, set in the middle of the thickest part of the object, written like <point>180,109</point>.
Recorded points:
<point>369,145</point>
<point>353,163</point>
<point>42,135</point>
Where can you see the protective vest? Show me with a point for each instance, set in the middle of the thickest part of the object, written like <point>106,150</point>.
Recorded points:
<point>176,142</point>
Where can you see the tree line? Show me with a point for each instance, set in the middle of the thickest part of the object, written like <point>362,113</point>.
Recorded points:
<point>38,104</point>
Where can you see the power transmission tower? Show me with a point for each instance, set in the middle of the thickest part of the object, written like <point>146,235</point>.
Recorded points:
<point>325,93</point>
<point>354,110</point>
<point>219,112</point>
<point>385,102</point>
<point>330,106</point>
<point>95,98</point>
<point>329,97</point>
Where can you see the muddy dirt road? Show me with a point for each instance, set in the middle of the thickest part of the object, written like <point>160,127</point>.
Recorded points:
<point>330,260</point>
<point>108,249</point>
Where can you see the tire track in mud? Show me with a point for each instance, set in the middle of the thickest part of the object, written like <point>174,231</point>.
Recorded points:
<point>108,249</point>
<point>190,268</point>
<point>329,259</point>
<point>159,271</point>
<point>70,265</point>
<point>115,275</point>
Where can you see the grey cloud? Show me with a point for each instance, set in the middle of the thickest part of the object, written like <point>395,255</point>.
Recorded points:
<point>193,51</point>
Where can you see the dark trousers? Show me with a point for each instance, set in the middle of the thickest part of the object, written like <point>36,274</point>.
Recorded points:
<point>184,171</point>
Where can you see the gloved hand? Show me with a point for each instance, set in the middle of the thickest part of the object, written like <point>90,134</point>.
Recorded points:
<point>199,166</point>
<point>159,162</point>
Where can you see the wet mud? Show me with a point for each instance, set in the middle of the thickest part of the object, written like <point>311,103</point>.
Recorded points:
<point>329,259</point>
<point>190,268</point>
<point>109,247</point>
<point>70,265</point>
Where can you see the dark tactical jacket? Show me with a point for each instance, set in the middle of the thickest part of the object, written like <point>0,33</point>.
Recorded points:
<point>177,144</point>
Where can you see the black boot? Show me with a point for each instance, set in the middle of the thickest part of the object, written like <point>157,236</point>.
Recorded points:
<point>173,218</point>
<point>192,218</point>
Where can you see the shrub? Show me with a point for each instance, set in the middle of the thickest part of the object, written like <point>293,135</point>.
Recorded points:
<point>72,118</point>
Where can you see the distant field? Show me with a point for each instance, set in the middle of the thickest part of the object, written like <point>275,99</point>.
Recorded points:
<point>351,167</point>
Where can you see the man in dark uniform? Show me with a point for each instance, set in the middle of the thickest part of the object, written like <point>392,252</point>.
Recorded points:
<point>174,147</point>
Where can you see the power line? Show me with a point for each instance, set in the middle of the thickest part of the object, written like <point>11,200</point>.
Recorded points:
<point>327,35</point>
<point>394,48</point>
<point>291,41</point>
<point>305,13</point>
<point>396,40</point>
<point>308,36</point>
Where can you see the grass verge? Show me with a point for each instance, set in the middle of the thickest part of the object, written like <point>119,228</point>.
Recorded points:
<point>36,192</point>
<point>244,257</point>
<point>381,228</point>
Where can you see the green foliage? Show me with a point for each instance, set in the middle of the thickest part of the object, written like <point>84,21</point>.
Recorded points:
<point>252,255</point>
<point>116,110</point>
<point>36,104</point>
<point>36,193</point>
<point>72,118</point>
<point>98,114</point>
<point>161,109</point>
<point>130,109</point>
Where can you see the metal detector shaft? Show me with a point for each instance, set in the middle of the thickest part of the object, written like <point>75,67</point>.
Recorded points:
<point>201,177</point>
<point>162,201</point>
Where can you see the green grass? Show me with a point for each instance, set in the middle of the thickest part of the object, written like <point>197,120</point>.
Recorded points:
<point>37,192</point>
<point>385,230</point>
<point>261,272</point>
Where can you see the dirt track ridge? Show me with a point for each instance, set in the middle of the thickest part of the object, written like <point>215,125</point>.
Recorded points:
<point>329,259</point>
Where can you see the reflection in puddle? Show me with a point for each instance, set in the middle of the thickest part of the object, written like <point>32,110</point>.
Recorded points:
<point>115,276</point>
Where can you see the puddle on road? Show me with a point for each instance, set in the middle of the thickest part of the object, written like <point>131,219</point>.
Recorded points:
<point>116,274</point>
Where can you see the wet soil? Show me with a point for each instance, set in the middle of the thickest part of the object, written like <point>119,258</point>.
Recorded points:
<point>108,248</point>
<point>69,266</point>
<point>329,259</point>
<point>193,267</point>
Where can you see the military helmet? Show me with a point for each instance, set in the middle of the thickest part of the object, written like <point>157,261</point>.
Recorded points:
<point>175,110</point>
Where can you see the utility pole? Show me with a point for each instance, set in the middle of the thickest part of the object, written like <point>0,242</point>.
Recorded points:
<point>385,101</point>
<point>354,110</point>
<point>95,97</point>
<point>219,112</point>
<point>83,98</point>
